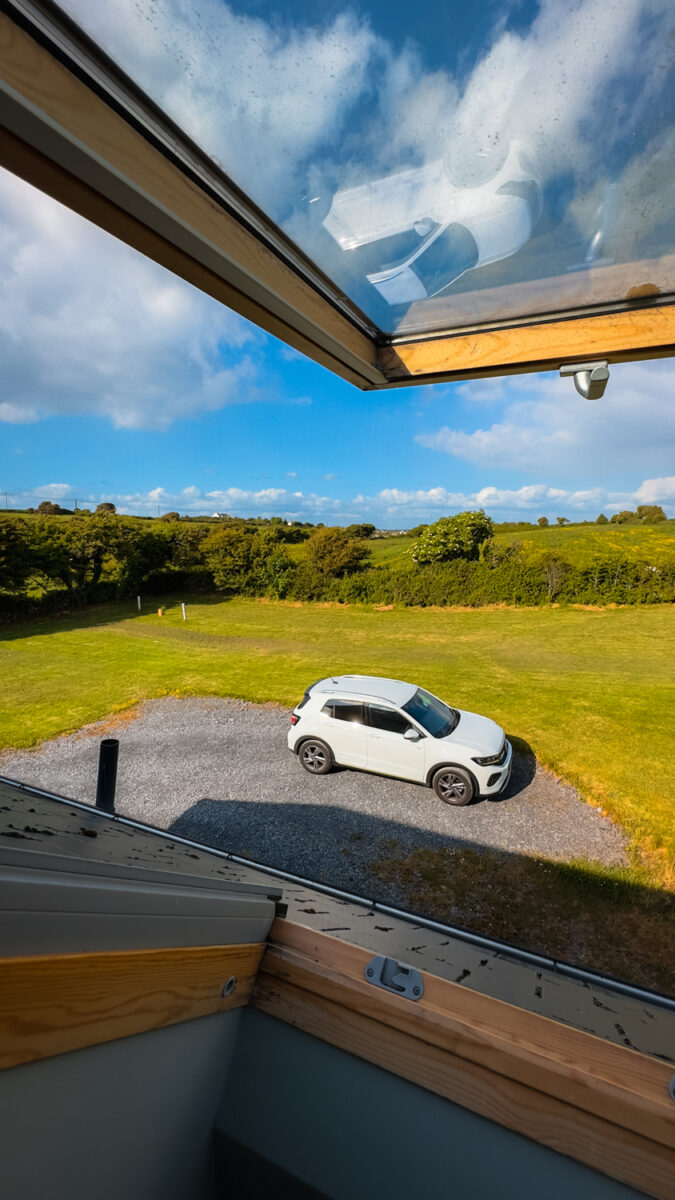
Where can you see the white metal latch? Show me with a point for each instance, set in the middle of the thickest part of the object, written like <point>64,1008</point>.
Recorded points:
<point>394,977</point>
<point>590,378</point>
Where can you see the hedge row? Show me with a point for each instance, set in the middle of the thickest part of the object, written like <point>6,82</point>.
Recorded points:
<point>474,584</point>
<point>512,581</point>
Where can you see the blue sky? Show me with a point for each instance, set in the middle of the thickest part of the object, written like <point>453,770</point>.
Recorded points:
<point>121,382</point>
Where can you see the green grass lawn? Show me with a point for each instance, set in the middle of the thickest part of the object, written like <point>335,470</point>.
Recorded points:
<point>592,692</point>
<point>580,545</point>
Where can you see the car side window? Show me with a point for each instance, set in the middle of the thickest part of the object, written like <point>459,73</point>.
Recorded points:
<point>344,710</point>
<point>380,717</point>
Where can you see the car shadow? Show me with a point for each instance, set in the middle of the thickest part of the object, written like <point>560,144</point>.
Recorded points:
<point>562,909</point>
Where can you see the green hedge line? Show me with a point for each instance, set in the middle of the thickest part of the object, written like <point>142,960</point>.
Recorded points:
<point>513,581</point>
<point>474,584</point>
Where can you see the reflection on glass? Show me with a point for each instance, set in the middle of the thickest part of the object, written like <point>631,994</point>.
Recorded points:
<point>445,165</point>
<point>428,232</point>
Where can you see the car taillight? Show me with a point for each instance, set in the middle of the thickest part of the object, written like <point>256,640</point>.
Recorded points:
<point>294,719</point>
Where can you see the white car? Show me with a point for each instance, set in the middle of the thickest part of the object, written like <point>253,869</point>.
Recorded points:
<point>395,728</point>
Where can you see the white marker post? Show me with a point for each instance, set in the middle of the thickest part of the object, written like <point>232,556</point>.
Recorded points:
<point>139,603</point>
<point>183,608</point>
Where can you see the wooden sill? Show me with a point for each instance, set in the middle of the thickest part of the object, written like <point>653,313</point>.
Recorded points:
<point>55,1003</point>
<point>601,1104</point>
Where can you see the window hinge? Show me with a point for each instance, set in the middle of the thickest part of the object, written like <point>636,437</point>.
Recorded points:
<point>394,977</point>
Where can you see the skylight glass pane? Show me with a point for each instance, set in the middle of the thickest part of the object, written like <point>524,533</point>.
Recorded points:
<point>445,164</point>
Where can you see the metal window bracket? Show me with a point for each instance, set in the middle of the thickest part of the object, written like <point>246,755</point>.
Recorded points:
<point>590,378</point>
<point>394,977</point>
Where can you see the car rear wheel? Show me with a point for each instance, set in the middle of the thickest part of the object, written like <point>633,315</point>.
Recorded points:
<point>315,757</point>
<point>452,785</point>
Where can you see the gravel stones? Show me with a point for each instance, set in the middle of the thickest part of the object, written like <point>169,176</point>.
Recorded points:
<point>218,771</point>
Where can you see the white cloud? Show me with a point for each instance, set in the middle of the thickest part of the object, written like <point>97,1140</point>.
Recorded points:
<point>87,325</point>
<point>654,491</point>
<point>16,414</point>
<point>547,427</point>
<point>260,96</point>
<point>389,508</point>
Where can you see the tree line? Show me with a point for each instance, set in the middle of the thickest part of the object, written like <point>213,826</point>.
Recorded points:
<point>48,565</point>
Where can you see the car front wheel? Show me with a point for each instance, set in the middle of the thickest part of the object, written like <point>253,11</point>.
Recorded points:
<point>315,757</point>
<point>452,785</point>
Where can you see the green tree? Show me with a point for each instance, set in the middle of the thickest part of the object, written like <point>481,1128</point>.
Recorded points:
<point>333,552</point>
<point>106,507</point>
<point>623,518</point>
<point>170,516</point>
<point>187,542</point>
<point>16,565</point>
<point>542,522</point>
<point>137,550</point>
<point>271,568</point>
<point>601,520</point>
<point>562,521</point>
<point>454,537</point>
<point>73,553</point>
<point>229,555</point>
<point>651,514</point>
<point>360,531</point>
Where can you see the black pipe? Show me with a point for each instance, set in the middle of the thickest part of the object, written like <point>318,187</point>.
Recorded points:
<point>107,775</point>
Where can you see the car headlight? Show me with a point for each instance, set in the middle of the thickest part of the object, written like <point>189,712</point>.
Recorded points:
<point>492,760</point>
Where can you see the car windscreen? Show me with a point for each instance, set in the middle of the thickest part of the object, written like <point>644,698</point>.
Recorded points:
<point>432,714</point>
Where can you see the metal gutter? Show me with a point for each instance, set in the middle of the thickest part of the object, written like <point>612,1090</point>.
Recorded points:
<point>557,966</point>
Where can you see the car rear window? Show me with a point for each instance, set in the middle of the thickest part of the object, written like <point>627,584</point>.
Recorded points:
<point>380,717</point>
<point>345,710</point>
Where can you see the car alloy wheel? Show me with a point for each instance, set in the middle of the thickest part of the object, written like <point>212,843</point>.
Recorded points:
<point>315,757</point>
<point>454,786</point>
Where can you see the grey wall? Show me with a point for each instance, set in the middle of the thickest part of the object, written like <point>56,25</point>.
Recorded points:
<point>129,1120</point>
<point>355,1132</point>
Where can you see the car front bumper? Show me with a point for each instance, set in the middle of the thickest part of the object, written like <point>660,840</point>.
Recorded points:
<point>495,779</point>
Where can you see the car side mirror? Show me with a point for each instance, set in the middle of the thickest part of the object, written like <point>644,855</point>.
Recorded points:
<point>412,735</point>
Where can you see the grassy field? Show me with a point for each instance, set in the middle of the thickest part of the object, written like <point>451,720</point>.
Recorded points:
<point>591,692</point>
<point>579,545</point>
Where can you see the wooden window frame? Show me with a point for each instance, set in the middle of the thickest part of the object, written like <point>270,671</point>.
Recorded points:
<point>73,125</point>
<point>599,1103</point>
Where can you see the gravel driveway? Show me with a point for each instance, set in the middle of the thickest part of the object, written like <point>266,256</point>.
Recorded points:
<point>218,772</point>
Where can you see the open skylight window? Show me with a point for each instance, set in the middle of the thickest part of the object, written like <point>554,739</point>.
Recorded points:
<point>405,194</point>
<point>445,165</point>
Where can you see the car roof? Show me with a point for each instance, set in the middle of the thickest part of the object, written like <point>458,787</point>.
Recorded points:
<point>372,686</point>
